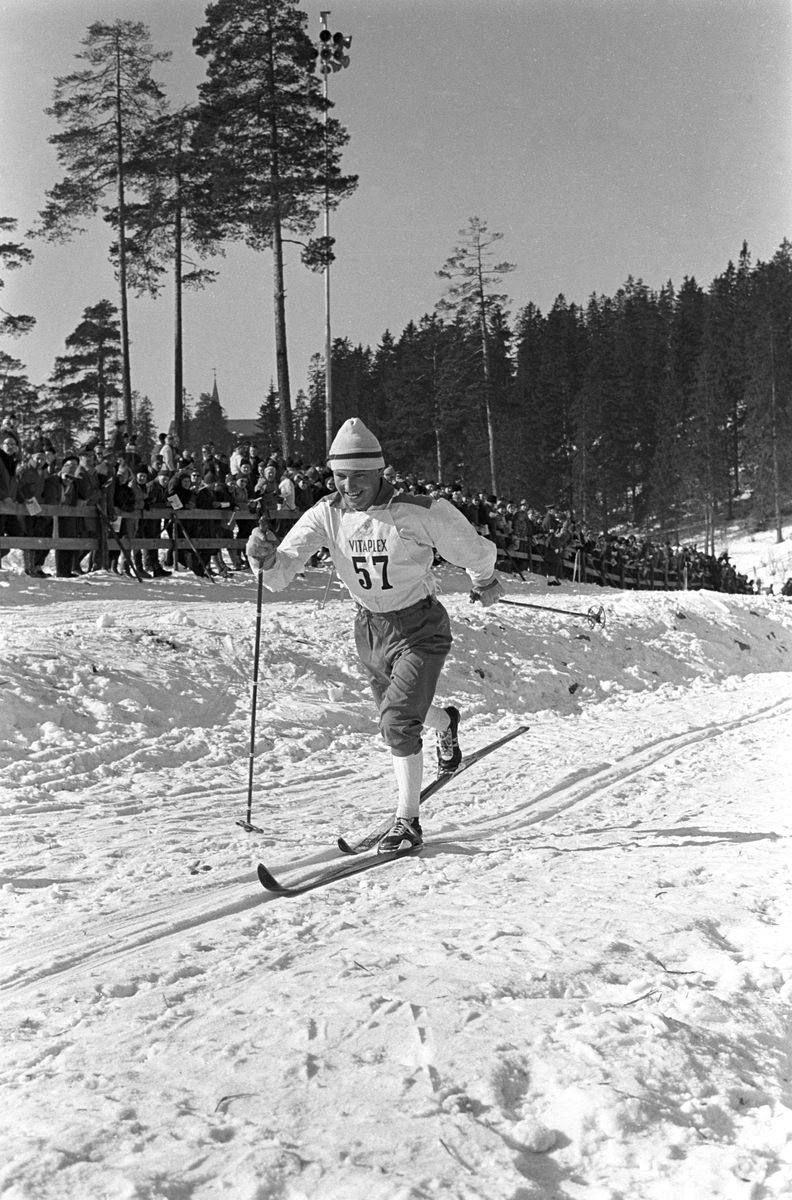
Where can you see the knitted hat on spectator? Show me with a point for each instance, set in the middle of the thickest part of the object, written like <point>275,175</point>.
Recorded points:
<point>355,448</point>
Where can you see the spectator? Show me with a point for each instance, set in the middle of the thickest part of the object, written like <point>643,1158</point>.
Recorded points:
<point>9,524</point>
<point>303,493</point>
<point>67,562</point>
<point>287,511</point>
<point>41,443</point>
<point>9,429</point>
<point>105,465</point>
<point>203,496</point>
<point>155,493</point>
<point>94,500</point>
<point>267,492</point>
<point>117,441</point>
<point>132,456</point>
<point>208,462</point>
<point>51,495</point>
<point>124,500</point>
<point>245,494</point>
<point>241,454</point>
<point>30,489</point>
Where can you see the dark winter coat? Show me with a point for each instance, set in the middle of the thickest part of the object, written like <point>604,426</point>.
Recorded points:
<point>30,484</point>
<point>8,483</point>
<point>69,527</point>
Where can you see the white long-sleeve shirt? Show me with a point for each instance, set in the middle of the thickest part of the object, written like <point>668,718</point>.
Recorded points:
<point>384,554</point>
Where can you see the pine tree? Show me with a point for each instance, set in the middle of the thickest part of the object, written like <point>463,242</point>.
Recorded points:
<point>268,421</point>
<point>428,377</point>
<point>102,110</point>
<point>503,398</point>
<point>597,408</point>
<point>384,371</point>
<point>19,395</point>
<point>145,427</point>
<point>313,431</point>
<point>728,324</point>
<point>768,432</point>
<point>551,420</point>
<point>13,255</point>
<point>642,352</point>
<point>87,377</point>
<point>187,421</point>
<point>301,412</point>
<point>352,393</point>
<point>472,275</point>
<point>529,334</point>
<point>270,162</point>
<point>405,372</point>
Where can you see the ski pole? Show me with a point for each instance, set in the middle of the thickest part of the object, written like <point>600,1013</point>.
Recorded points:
<point>204,573</point>
<point>515,564</point>
<point>327,589</point>
<point>128,558</point>
<point>594,616</point>
<point>246,825</point>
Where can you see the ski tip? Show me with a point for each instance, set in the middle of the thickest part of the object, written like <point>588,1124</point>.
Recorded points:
<point>267,880</point>
<point>344,846</point>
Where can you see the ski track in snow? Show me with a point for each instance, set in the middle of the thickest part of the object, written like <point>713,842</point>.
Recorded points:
<point>580,989</point>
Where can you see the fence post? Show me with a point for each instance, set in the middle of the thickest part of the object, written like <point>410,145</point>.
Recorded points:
<point>102,547</point>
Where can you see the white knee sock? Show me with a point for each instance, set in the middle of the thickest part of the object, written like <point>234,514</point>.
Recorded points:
<point>437,718</point>
<point>409,772</point>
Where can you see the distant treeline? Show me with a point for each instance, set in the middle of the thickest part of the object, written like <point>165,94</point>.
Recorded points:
<point>647,406</point>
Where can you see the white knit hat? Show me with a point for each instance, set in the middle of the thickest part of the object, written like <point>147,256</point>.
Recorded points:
<point>355,448</point>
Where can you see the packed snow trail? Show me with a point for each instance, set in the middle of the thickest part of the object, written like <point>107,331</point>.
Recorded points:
<point>580,989</point>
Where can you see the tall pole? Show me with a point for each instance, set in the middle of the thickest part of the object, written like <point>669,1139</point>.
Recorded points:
<point>328,334</point>
<point>332,57</point>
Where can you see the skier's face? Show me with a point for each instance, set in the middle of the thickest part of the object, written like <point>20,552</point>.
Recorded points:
<point>358,488</point>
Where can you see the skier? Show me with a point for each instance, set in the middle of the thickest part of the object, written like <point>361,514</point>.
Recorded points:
<point>382,547</point>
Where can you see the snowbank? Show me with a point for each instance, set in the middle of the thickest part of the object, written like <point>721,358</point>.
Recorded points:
<point>581,988</point>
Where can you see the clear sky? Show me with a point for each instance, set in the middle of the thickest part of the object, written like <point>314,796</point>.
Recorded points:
<point>603,138</point>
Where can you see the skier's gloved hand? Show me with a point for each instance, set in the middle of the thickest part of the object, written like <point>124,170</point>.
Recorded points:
<point>488,593</point>
<point>262,546</point>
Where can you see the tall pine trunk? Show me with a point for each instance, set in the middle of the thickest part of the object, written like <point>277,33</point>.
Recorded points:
<point>178,332</point>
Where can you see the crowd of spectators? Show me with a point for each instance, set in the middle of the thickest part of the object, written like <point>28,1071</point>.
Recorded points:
<point>554,544</point>
<point>113,484</point>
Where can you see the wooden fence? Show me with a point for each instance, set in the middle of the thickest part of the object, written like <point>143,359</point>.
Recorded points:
<point>580,567</point>
<point>97,533</point>
<point>97,536</point>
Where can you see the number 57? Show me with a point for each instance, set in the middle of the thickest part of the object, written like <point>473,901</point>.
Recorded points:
<point>359,563</point>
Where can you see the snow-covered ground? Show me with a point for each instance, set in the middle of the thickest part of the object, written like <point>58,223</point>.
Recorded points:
<point>759,556</point>
<point>580,989</point>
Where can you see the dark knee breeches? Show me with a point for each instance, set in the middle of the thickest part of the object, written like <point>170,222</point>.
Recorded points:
<point>403,653</point>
